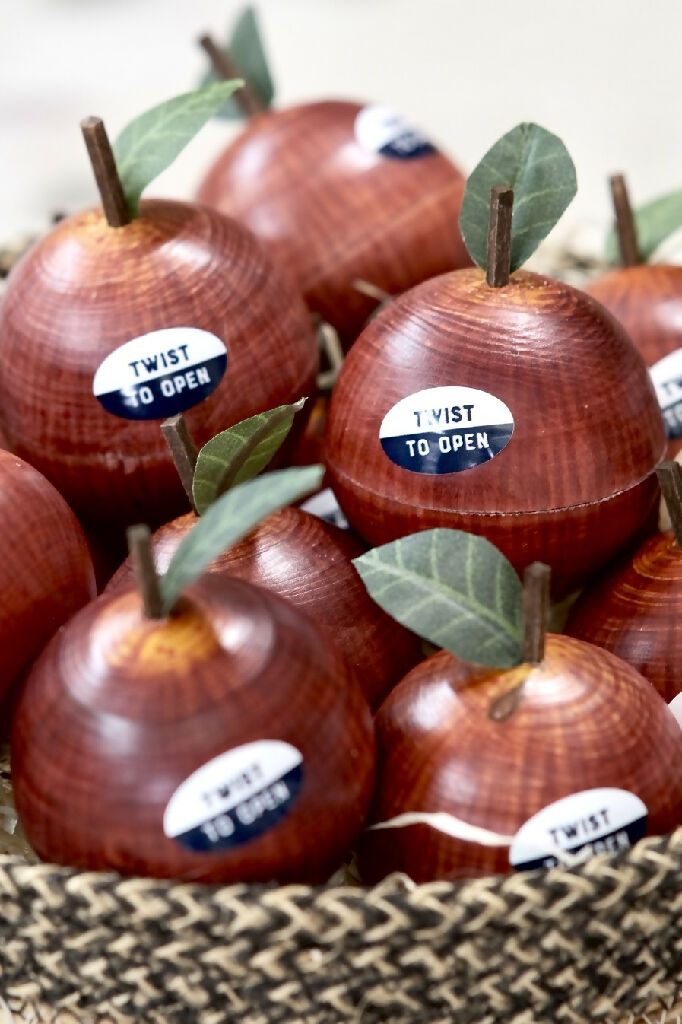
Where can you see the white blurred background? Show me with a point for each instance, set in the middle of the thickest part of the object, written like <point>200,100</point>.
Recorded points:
<point>605,75</point>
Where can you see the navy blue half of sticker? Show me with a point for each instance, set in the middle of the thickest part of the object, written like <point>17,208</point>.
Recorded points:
<point>168,395</point>
<point>448,451</point>
<point>247,820</point>
<point>620,839</point>
<point>407,146</point>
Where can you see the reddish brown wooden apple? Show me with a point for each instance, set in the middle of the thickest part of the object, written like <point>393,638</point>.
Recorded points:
<point>45,569</point>
<point>522,413</point>
<point>338,191</point>
<point>456,785</point>
<point>307,561</point>
<point>228,742</point>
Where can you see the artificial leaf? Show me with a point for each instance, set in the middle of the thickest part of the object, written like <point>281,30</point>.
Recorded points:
<point>240,453</point>
<point>538,167</point>
<point>453,589</point>
<point>654,222</point>
<point>245,47</point>
<point>152,141</point>
<point>228,520</point>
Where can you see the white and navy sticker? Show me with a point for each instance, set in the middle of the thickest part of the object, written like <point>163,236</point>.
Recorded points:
<point>324,505</point>
<point>236,797</point>
<point>675,706</point>
<point>666,375</point>
<point>573,829</point>
<point>161,373</point>
<point>383,130</point>
<point>446,430</point>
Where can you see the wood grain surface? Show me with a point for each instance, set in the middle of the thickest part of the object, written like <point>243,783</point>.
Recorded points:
<point>333,211</point>
<point>576,478</point>
<point>635,611</point>
<point>45,570</point>
<point>87,288</point>
<point>120,710</point>
<point>307,561</point>
<point>586,720</point>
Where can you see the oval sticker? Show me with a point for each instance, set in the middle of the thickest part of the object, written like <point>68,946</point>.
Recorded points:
<point>383,130</point>
<point>235,797</point>
<point>582,824</point>
<point>666,375</point>
<point>161,373</point>
<point>445,430</point>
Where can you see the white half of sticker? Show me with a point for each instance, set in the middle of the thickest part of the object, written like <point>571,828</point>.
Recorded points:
<point>381,129</point>
<point>325,506</point>
<point>579,825</point>
<point>446,429</point>
<point>666,375</point>
<point>227,781</point>
<point>160,373</point>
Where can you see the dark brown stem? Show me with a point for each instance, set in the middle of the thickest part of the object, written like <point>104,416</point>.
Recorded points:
<point>670,479</point>
<point>142,557</point>
<point>535,611</point>
<point>625,222</point>
<point>183,450</point>
<point>499,236</point>
<point>225,68</point>
<point>106,175</point>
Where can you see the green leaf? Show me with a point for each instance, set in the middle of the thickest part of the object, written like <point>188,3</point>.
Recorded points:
<point>240,453</point>
<point>246,49</point>
<point>451,588</point>
<point>152,141</point>
<point>655,221</point>
<point>228,520</point>
<point>539,168</point>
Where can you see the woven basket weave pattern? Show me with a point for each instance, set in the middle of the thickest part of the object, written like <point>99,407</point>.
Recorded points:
<point>596,943</point>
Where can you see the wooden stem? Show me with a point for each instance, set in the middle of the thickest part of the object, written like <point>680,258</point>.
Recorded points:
<point>106,175</point>
<point>225,68</point>
<point>670,479</point>
<point>183,450</point>
<point>142,557</point>
<point>499,236</point>
<point>372,291</point>
<point>625,222</point>
<point>535,611</point>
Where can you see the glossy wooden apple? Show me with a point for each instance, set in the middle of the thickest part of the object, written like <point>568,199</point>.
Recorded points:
<point>647,300</point>
<point>585,721</point>
<point>332,207</point>
<point>88,288</point>
<point>307,561</point>
<point>551,458</point>
<point>121,711</point>
<point>635,611</point>
<point>45,570</point>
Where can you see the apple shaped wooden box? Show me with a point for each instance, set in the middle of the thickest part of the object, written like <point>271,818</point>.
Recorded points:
<point>337,191</point>
<point>523,413</point>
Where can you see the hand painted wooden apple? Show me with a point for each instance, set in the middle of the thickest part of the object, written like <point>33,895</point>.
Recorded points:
<point>105,330</point>
<point>646,298</point>
<point>634,609</point>
<point>481,770</point>
<point>515,408</point>
<point>300,558</point>
<point>336,191</point>
<point>214,735</point>
<point>45,569</point>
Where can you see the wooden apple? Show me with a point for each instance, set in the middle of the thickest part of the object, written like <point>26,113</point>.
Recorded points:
<point>308,562</point>
<point>45,570</point>
<point>646,298</point>
<point>105,330</point>
<point>338,191</point>
<point>634,609</point>
<point>523,413</point>
<point>455,787</point>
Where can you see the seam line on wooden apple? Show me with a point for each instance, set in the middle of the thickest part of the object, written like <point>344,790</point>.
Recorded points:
<point>507,515</point>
